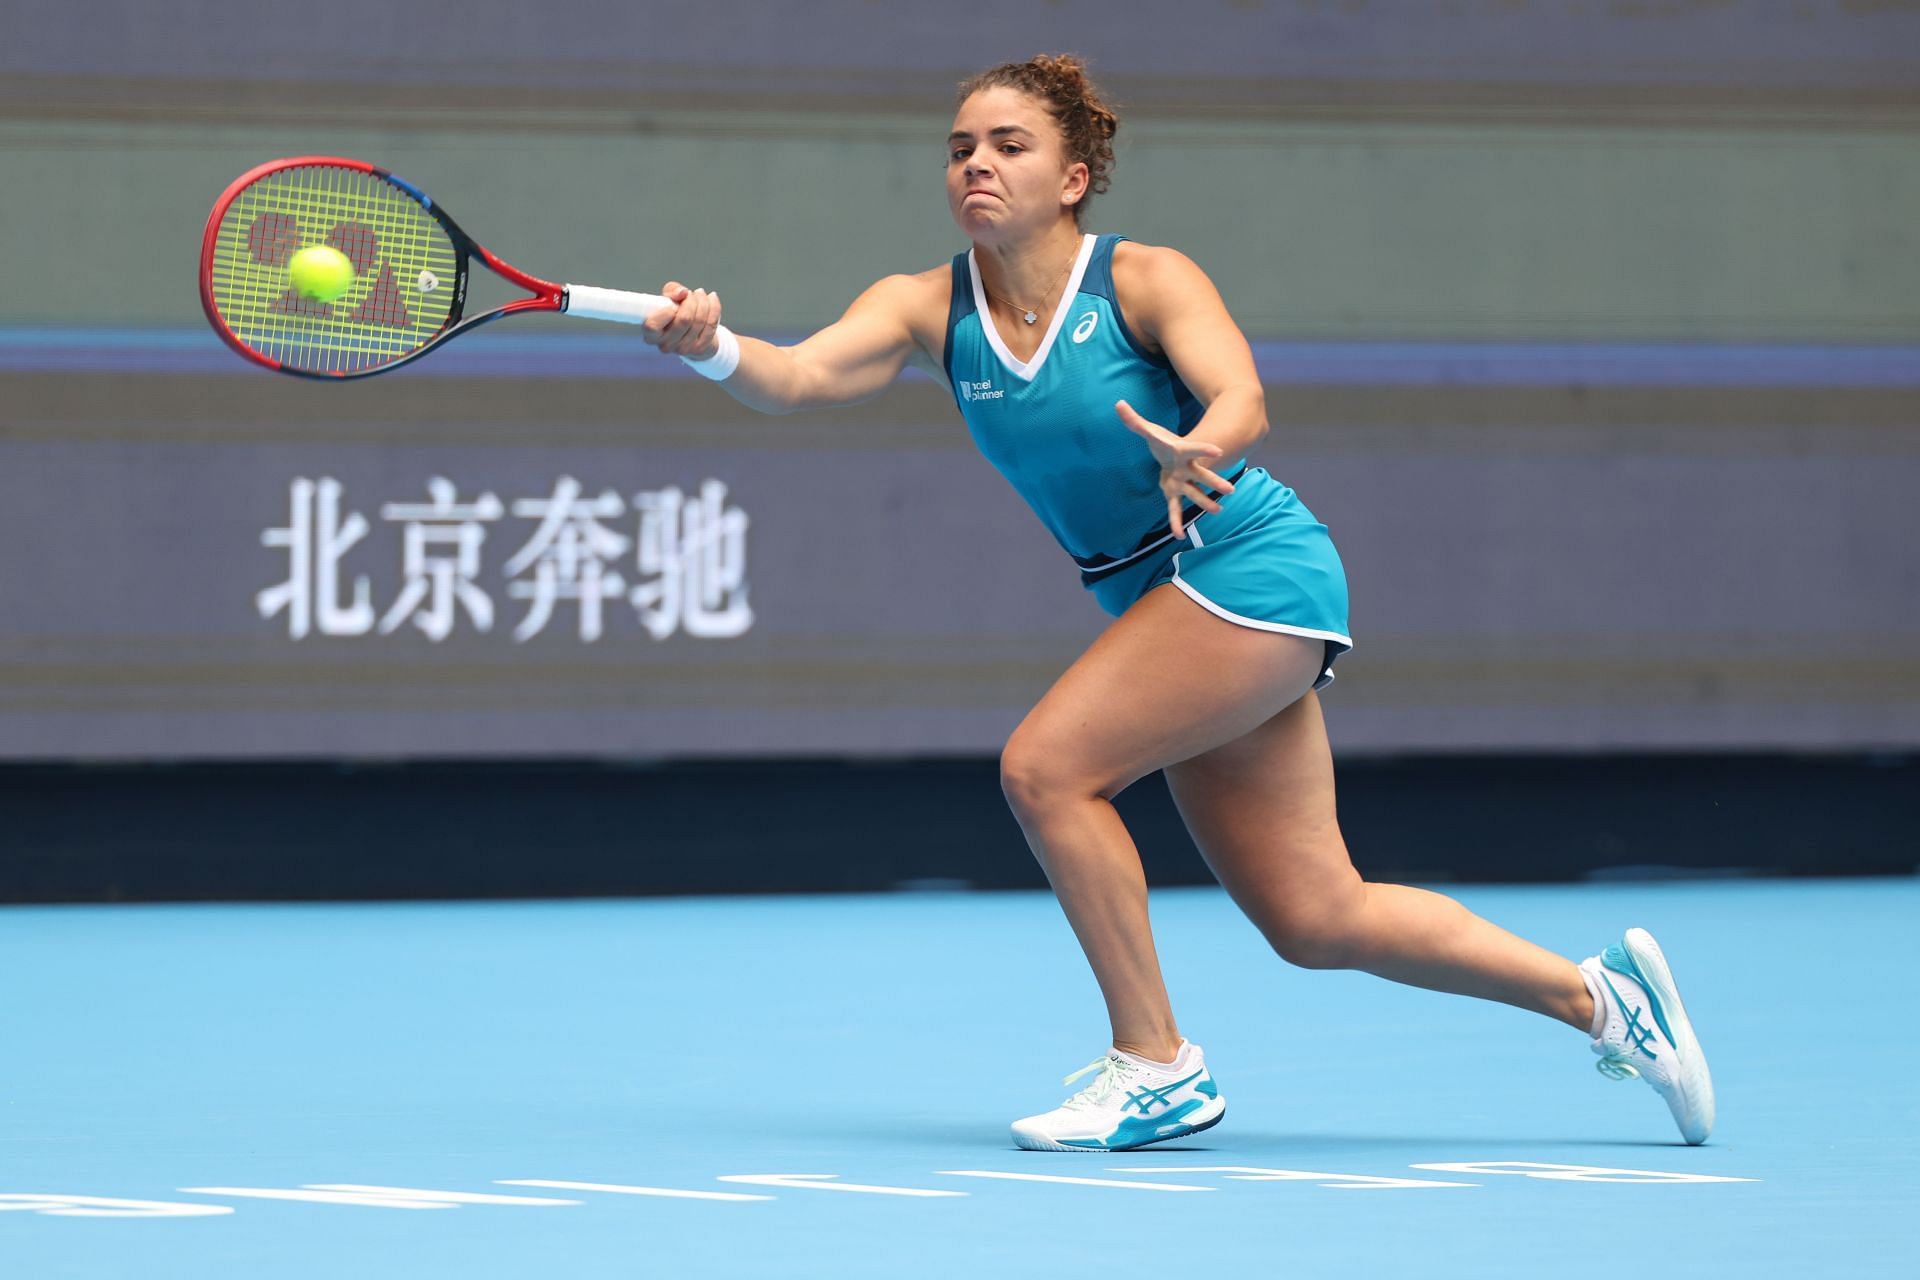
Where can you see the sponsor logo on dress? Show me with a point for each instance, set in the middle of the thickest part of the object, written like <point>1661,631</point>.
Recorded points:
<point>980,390</point>
<point>1088,323</point>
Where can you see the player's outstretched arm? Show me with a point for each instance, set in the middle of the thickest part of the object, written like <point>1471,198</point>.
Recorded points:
<point>853,359</point>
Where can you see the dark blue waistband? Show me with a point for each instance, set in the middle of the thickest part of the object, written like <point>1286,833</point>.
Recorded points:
<point>1094,568</point>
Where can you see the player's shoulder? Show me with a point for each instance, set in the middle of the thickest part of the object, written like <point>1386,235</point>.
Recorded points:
<point>929,286</point>
<point>1154,286</point>
<point>1152,265</point>
<point>916,300</point>
<point>910,294</point>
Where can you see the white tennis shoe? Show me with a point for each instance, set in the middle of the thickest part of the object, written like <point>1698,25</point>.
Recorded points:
<point>1646,1032</point>
<point>1128,1105</point>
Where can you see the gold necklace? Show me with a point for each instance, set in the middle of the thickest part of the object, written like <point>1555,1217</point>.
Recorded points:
<point>1031,314</point>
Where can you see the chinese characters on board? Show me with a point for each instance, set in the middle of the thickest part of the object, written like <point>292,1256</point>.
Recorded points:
<point>677,559</point>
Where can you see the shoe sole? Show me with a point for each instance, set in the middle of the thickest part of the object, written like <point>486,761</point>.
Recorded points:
<point>1027,1142</point>
<point>1695,1082</point>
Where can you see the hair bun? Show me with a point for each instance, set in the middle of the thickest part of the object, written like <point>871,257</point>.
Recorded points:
<point>1087,123</point>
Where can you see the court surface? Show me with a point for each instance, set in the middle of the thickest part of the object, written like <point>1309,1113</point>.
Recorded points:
<point>821,1086</point>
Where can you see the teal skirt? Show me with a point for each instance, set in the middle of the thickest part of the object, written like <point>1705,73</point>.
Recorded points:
<point>1262,561</point>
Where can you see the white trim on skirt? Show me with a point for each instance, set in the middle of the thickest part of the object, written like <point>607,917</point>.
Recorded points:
<point>1256,623</point>
<point>1193,534</point>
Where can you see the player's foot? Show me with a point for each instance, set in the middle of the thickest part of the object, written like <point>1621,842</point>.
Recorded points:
<point>1129,1104</point>
<point>1644,1030</point>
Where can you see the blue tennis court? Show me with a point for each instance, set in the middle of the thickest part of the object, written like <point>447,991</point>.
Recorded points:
<point>820,1086</point>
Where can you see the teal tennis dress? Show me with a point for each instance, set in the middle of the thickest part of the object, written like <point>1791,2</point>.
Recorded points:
<point>1048,424</point>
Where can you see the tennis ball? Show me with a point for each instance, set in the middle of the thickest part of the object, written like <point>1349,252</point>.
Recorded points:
<point>320,272</point>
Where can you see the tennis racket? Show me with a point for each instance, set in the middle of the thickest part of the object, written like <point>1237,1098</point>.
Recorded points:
<point>410,263</point>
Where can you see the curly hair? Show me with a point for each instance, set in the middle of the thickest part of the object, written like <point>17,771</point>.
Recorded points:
<point>1086,121</point>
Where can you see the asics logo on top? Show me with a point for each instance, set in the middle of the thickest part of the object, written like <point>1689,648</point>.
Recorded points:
<point>1088,323</point>
<point>1638,1034</point>
<point>980,390</point>
<point>1144,1098</point>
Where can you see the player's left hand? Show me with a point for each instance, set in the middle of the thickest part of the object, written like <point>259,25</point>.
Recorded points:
<point>1185,473</point>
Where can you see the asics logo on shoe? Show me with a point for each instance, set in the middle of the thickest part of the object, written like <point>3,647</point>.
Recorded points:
<point>1639,1035</point>
<point>1145,1098</point>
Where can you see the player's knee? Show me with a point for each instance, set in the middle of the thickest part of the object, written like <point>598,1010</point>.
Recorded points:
<point>1023,777</point>
<point>1316,939</point>
<point>1032,776</point>
<point>1312,950</point>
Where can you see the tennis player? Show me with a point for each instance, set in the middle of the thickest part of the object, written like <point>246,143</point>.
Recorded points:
<point>1106,380</point>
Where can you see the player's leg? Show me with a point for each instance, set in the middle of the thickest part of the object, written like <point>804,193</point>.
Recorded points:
<point>1261,809</point>
<point>1165,682</point>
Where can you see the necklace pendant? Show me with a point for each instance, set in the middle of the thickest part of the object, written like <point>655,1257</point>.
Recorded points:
<point>1030,317</point>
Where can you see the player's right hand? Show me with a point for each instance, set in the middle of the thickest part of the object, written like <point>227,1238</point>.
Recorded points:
<point>687,328</point>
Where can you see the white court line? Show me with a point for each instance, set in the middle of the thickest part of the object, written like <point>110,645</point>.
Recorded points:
<point>415,1193</point>
<point>620,1190</point>
<point>1083,1182</point>
<point>1574,1172</point>
<point>817,1182</point>
<point>1336,1181</point>
<point>64,1206</point>
<point>320,1197</point>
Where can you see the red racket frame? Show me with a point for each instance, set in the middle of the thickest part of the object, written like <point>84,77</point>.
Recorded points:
<point>547,296</point>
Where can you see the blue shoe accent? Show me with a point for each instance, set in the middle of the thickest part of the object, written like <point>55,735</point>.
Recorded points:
<point>1137,1131</point>
<point>1144,1098</point>
<point>1207,1087</point>
<point>1617,959</point>
<point>1637,1035</point>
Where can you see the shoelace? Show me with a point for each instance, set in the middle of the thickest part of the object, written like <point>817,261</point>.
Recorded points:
<point>1615,1066</point>
<point>1103,1084</point>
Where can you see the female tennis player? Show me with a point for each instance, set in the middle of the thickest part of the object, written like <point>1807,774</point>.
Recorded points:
<point>1107,382</point>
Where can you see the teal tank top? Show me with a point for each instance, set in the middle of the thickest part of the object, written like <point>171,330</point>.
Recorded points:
<point>1048,425</point>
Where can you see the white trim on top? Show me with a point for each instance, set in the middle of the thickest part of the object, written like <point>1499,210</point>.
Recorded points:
<point>1026,369</point>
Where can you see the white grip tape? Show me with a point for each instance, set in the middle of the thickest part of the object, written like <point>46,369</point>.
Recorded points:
<point>613,304</point>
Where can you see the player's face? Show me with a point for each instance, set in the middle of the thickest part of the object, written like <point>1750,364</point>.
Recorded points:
<point>1007,170</point>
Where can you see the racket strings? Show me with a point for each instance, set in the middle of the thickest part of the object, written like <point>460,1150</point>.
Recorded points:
<point>405,270</point>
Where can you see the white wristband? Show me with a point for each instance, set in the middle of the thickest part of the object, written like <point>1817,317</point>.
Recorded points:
<point>720,365</point>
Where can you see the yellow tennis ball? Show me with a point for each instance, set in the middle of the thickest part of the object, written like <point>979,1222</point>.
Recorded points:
<point>320,272</point>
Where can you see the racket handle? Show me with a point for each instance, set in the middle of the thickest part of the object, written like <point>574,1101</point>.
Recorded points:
<point>611,304</point>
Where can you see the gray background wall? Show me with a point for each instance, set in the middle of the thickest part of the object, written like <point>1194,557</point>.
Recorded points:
<point>1589,328</point>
